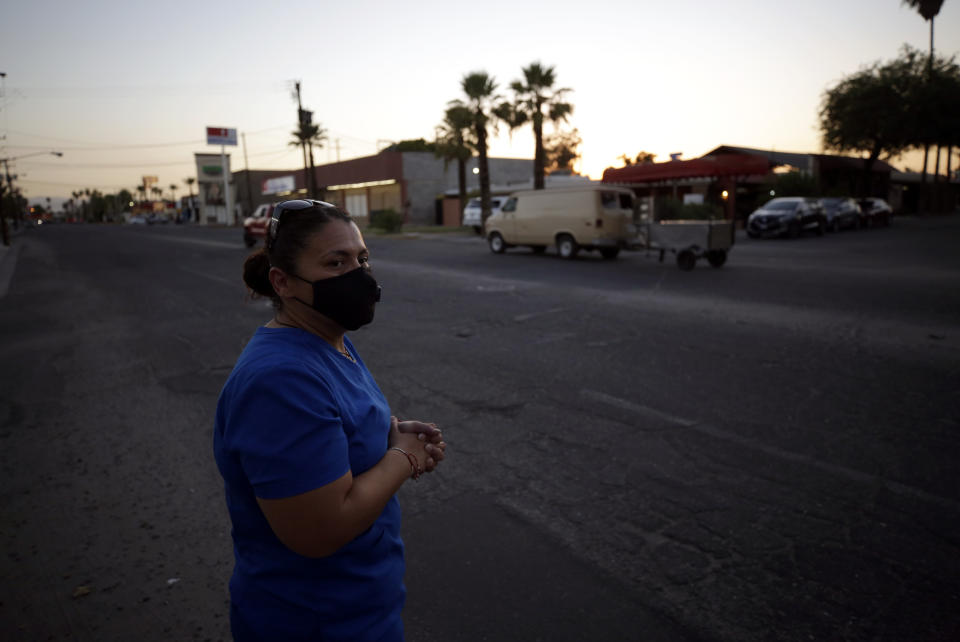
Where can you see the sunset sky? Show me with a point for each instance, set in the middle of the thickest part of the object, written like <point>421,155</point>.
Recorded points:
<point>125,89</point>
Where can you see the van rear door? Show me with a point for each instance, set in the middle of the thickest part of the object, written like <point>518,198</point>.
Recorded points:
<point>614,215</point>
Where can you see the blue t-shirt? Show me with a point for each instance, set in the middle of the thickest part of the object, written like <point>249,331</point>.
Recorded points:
<point>295,415</point>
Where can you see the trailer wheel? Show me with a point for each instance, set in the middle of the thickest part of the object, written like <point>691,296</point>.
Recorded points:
<point>686,260</point>
<point>497,246</point>
<point>717,257</point>
<point>567,248</point>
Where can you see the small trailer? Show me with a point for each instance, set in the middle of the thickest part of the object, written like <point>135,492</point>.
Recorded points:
<point>689,240</point>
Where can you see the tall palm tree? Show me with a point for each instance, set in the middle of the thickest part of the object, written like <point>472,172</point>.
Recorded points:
<point>143,192</point>
<point>309,136</point>
<point>928,9</point>
<point>454,143</point>
<point>534,100</point>
<point>485,110</point>
<point>173,191</point>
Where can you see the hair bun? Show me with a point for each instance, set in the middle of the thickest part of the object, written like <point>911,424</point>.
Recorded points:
<point>256,274</point>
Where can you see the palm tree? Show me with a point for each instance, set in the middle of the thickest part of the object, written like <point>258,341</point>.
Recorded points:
<point>173,192</point>
<point>454,143</point>
<point>157,192</point>
<point>485,109</point>
<point>928,9</point>
<point>143,192</point>
<point>534,99</point>
<point>190,180</point>
<point>309,136</point>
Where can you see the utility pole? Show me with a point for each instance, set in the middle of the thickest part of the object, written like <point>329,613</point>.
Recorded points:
<point>338,149</point>
<point>246,166</point>
<point>3,218</point>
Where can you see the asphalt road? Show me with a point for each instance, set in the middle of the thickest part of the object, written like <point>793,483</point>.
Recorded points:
<point>764,451</point>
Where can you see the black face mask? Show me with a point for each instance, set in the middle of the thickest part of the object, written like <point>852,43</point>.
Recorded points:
<point>348,299</point>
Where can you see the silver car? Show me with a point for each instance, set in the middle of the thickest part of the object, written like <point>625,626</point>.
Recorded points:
<point>787,216</point>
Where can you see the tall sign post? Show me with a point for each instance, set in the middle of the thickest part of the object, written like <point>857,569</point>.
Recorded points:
<point>223,136</point>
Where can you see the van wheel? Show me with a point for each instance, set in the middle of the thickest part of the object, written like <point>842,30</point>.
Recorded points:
<point>686,260</point>
<point>249,241</point>
<point>609,252</point>
<point>538,249</point>
<point>497,246</point>
<point>717,257</point>
<point>567,248</point>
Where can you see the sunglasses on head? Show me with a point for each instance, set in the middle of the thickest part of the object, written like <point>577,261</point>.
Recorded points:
<point>289,206</point>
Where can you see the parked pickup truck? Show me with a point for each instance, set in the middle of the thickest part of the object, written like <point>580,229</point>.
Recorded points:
<point>255,225</point>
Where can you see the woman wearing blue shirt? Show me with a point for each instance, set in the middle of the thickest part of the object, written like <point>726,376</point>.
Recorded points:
<point>310,456</point>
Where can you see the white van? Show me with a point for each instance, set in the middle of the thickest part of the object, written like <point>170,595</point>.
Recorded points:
<point>583,217</point>
<point>473,213</point>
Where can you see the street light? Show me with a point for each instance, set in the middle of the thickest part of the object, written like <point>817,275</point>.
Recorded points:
<point>6,173</point>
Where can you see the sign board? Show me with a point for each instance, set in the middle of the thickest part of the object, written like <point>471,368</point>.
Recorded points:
<point>695,199</point>
<point>149,180</point>
<point>221,136</point>
<point>279,184</point>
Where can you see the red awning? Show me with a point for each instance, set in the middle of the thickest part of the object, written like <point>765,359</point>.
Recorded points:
<point>706,167</point>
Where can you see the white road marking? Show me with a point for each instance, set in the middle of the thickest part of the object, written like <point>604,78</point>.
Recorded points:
<point>746,442</point>
<point>636,408</point>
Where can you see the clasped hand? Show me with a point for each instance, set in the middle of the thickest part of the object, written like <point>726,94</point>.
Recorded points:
<point>424,440</point>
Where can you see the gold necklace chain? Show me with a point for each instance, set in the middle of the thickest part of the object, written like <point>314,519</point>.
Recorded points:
<point>344,352</point>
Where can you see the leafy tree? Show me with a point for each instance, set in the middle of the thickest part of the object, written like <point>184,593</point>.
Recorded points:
<point>454,144</point>
<point>561,151</point>
<point>412,145</point>
<point>535,99</point>
<point>642,158</point>
<point>872,111</point>
<point>485,110</point>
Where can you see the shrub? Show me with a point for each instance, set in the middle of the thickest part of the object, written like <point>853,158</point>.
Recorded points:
<point>386,220</point>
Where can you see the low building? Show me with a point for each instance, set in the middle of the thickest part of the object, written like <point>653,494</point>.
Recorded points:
<point>411,183</point>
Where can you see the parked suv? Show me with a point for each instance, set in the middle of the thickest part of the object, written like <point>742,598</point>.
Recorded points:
<point>876,211</point>
<point>473,212</point>
<point>841,213</point>
<point>255,225</point>
<point>787,216</point>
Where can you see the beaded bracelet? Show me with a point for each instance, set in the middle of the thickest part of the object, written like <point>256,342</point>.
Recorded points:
<point>414,464</point>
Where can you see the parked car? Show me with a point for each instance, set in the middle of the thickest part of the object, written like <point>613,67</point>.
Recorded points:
<point>473,213</point>
<point>137,219</point>
<point>876,211</point>
<point>157,219</point>
<point>255,225</point>
<point>590,217</point>
<point>787,216</point>
<point>841,213</point>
